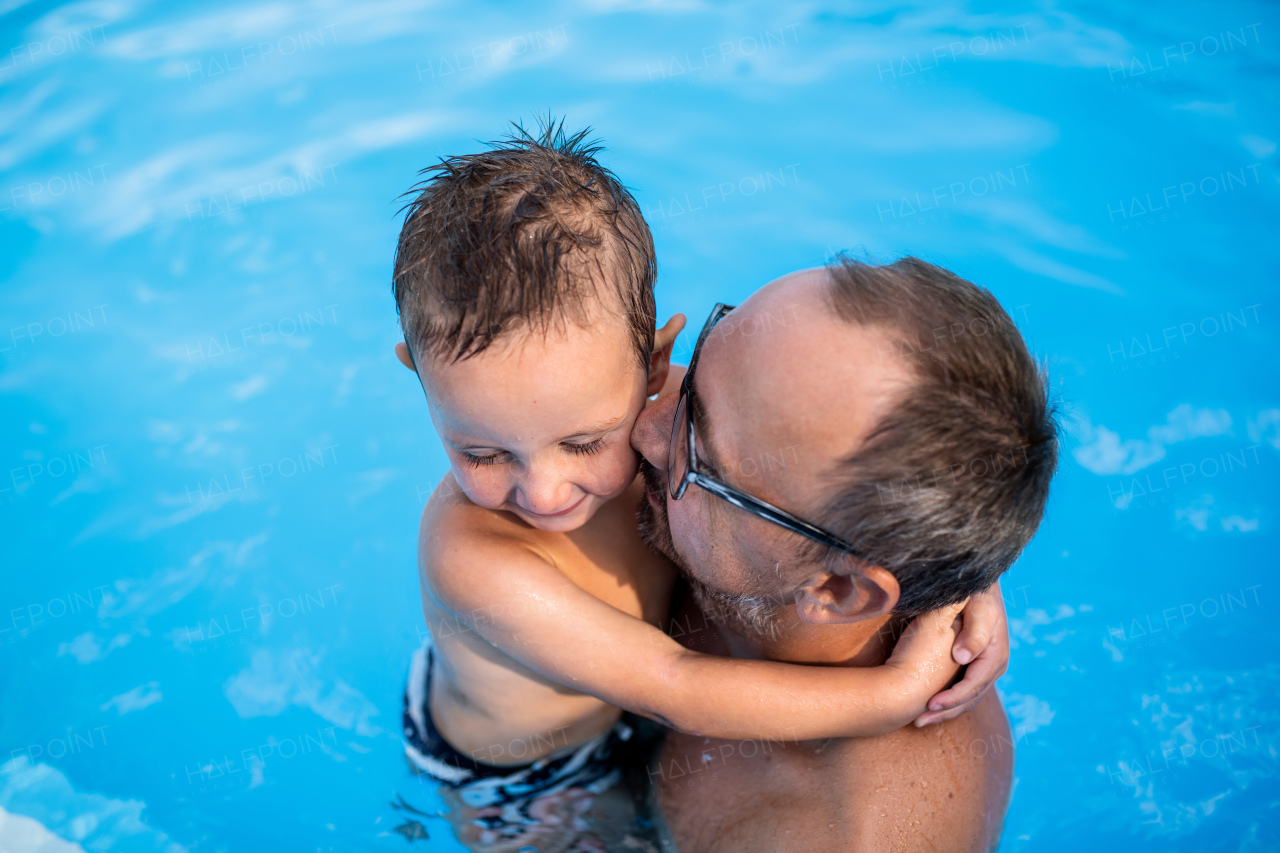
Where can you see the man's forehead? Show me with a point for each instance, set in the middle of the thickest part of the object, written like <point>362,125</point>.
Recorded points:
<point>782,376</point>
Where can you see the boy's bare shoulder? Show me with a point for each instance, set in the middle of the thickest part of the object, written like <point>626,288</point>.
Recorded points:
<point>455,535</point>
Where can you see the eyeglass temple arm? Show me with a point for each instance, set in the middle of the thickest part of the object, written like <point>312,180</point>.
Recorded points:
<point>779,516</point>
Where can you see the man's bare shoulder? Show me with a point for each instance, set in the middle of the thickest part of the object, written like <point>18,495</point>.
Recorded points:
<point>940,788</point>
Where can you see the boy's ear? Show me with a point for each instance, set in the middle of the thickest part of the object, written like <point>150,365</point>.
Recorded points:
<point>402,353</point>
<point>660,359</point>
<point>834,598</point>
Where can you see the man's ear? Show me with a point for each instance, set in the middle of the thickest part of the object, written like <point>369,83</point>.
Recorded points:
<point>833,598</point>
<point>402,353</point>
<point>660,359</point>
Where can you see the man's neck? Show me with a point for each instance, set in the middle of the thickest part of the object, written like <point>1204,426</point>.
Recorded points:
<point>866,643</point>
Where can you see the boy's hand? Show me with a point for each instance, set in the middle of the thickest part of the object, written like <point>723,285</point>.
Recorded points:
<point>924,649</point>
<point>983,644</point>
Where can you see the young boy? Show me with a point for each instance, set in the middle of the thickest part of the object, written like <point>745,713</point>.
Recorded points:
<point>524,280</point>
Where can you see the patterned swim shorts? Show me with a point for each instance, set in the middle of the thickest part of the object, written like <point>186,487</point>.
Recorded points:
<point>590,765</point>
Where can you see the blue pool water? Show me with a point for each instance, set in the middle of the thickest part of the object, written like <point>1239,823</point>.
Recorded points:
<point>213,466</point>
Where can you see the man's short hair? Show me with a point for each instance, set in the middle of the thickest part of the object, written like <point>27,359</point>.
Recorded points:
<point>951,484</point>
<point>521,236</point>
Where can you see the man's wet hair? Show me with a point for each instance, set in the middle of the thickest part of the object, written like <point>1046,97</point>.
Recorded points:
<point>531,233</point>
<point>952,482</point>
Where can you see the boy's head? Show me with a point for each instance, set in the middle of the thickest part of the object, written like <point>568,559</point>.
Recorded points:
<point>524,281</point>
<point>526,235</point>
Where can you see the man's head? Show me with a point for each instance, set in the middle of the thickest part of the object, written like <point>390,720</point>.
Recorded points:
<point>524,282</point>
<point>894,406</point>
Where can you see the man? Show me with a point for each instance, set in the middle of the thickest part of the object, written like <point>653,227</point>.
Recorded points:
<point>853,446</point>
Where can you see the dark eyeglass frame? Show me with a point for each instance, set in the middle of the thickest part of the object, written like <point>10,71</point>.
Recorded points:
<point>678,484</point>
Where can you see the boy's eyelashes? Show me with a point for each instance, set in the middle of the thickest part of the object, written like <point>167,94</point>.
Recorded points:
<point>585,449</point>
<point>477,461</point>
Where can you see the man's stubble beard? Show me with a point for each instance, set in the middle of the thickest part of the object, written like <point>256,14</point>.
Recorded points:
<point>755,617</point>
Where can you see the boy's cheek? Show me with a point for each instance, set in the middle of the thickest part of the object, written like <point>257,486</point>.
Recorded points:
<point>618,472</point>
<point>481,490</point>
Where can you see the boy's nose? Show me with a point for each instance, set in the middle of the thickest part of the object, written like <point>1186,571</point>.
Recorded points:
<point>651,435</point>
<point>545,495</point>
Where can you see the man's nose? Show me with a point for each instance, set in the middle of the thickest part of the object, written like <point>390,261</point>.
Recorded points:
<point>651,435</point>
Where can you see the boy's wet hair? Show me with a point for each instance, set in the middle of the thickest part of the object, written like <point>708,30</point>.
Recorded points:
<point>529,233</point>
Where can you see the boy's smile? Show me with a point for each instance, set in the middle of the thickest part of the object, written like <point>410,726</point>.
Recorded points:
<point>560,513</point>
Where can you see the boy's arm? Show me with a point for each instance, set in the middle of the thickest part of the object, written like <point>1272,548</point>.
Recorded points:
<point>515,598</point>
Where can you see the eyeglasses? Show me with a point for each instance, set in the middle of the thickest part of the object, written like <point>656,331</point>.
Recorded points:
<point>683,467</point>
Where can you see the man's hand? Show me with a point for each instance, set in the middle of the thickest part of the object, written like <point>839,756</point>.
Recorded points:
<point>983,644</point>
